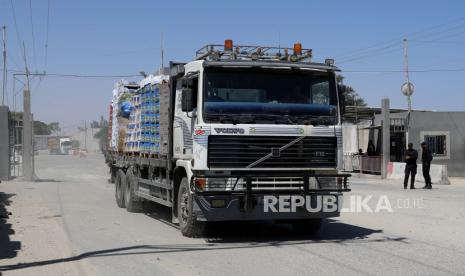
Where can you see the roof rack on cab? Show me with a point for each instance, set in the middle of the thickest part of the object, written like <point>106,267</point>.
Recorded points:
<point>243,52</point>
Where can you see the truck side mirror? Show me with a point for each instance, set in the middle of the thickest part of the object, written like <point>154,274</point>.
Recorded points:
<point>341,90</point>
<point>187,100</point>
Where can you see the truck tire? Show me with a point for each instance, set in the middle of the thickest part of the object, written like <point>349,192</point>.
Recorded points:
<point>307,226</point>
<point>113,172</point>
<point>188,223</point>
<point>133,202</point>
<point>120,186</point>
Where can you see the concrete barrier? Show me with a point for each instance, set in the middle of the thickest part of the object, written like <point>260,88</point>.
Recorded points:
<point>396,170</point>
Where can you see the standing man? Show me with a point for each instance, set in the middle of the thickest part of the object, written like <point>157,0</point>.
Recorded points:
<point>426,158</point>
<point>411,156</point>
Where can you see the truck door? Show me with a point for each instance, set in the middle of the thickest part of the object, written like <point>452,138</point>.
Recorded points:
<point>184,122</point>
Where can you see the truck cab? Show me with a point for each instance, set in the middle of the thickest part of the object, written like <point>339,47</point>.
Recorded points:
<point>252,124</point>
<point>65,146</point>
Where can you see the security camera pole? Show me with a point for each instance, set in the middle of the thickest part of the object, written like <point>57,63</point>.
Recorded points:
<point>28,146</point>
<point>5,72</point>
<point>407,90</point>
<point>28,129</point>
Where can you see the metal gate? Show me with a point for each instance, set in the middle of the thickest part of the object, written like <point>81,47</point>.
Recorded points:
<point>16,144</point>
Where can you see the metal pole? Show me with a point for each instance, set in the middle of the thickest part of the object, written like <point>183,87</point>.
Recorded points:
<point>33,160</point>
<point>356,122</point>
<point>85,135</point>
<point>28,149</point>
<point>14,94</point>
<point>409,100</point>
<point>4,64</point>
<point>27,136</point>
<point>386,136</point>
<point>162,53</point>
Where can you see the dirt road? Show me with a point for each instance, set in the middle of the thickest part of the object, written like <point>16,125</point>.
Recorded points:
<point>68,224</point>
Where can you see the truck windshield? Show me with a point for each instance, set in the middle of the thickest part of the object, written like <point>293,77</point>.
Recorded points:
<point>269,96</point>
<point>66,143</point>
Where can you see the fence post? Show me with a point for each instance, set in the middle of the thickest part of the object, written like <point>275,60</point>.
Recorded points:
<point>386,154</point>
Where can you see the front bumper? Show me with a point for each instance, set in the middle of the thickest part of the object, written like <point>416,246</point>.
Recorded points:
<point>253,203</point>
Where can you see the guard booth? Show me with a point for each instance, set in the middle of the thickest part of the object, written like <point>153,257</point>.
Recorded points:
<point>10,144</point>
<point>398,139</point>
<point>362,125</point>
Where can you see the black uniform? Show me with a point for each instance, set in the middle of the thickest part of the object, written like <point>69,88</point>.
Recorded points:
<point>426,158</point>
<point>410,167</point>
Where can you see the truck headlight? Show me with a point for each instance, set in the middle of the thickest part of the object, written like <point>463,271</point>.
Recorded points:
<point>200,183</point>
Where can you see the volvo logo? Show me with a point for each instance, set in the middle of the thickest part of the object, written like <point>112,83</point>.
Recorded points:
<point>230,130</point>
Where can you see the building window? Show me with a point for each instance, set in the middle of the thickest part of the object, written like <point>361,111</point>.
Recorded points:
<point>438,142</point>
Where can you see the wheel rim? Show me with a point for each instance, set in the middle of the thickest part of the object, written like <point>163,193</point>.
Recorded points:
<point>184,208</point>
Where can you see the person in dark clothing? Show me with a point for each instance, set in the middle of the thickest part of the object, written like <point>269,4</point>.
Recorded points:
<point>411,156</point>
<point>426,158</point>
<point>371,150</point>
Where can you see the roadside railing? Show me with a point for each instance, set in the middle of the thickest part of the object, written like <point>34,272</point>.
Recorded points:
<point>362,163</point>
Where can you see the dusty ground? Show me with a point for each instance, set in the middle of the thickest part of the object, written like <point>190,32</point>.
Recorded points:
<point>68,224</point>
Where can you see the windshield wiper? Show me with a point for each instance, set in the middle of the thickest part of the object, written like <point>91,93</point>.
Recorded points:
<point>317,119</point>
<point>276,118</point>
<point>228,117</point>
<point>232,118</point>
<point>273,118</point>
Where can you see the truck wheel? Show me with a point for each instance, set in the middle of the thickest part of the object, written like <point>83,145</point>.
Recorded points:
<point>113,172</point>
<point>188,223</point>
<point>307,226</point>
<point>112,175</point>
<point>120,184</point>
<point>133,202</point>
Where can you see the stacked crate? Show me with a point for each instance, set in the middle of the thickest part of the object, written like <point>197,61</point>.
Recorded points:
<point>164,116</point>
<point>118,125</point>
<point>110,126</point>
<point>134,132</point>
<point>114,122</point>
<point>149,124</point>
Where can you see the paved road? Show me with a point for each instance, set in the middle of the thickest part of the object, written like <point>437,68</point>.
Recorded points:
<point>68,224</point>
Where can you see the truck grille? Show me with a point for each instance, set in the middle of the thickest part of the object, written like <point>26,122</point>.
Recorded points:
<point>231,151</point>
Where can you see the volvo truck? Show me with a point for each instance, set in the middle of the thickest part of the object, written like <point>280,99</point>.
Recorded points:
<point>252,133</point>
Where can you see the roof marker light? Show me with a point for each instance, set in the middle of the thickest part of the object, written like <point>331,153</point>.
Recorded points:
<point>297,49</point>
<point>228,45</point>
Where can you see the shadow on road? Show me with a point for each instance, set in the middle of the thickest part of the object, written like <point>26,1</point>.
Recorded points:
<point>227,236</point>
<point>250,231</point>
<point>332,236</point>
<point>46,180</point>
<point>8,248</point>
<point>259,232</point>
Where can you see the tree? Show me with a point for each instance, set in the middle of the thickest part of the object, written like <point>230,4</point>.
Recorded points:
<point>103,122</point>
<point>94,124</point>
<point>351,96</point>
<point>41,128</point>
<point>54,127</point>
<point>101,135</point>
<point>75,144</point>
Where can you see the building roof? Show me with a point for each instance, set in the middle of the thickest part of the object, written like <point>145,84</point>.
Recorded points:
<point>360,113</point>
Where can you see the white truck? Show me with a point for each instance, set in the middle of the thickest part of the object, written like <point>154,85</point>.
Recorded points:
<point>59,145</point>
<point>254,133</point>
